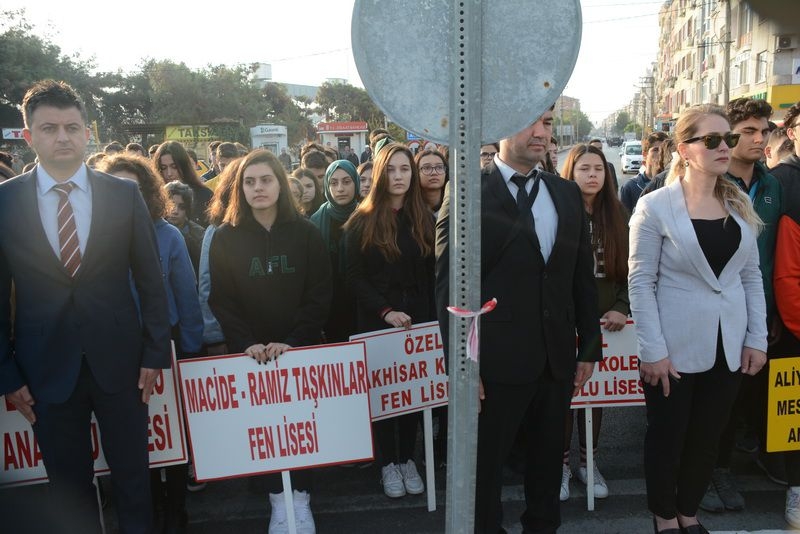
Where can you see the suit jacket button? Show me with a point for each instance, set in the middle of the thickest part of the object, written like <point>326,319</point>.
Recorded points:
<point>546,314</point>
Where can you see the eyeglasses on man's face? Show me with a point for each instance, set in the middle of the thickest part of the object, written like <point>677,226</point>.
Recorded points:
<point>487,155</point>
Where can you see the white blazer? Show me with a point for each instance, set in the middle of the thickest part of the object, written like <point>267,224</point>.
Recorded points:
<point>676,299</point>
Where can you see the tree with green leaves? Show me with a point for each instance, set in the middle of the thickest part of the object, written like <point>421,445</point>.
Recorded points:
<point>623,118</point>
<point>344,102</point>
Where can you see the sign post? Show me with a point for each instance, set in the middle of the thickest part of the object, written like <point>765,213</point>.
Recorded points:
<point>493,89</point>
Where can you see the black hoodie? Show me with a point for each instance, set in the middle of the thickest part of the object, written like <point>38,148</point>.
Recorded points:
<point>270,286</point>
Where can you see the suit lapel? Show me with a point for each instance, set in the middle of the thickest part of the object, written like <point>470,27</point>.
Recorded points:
<point>739,257</point>
<point>687,236</point>
<point>498,187</point>
<point>101,211</point>
<point>500,190</point>
<point>558,202</point>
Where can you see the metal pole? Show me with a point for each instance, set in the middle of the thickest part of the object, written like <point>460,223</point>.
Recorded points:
<point>465,256</point>
<point>726,55</point>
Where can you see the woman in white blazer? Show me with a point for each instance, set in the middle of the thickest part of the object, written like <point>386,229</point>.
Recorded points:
<point>697,297</point>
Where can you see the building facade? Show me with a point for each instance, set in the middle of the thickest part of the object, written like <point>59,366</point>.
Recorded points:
<point>712,51</point>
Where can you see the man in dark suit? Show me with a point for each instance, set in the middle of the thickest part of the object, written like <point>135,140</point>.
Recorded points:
<point>70,238</point>
<point>536,259</point>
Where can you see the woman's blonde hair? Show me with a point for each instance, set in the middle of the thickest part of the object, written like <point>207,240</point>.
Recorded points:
<point>725,190</point>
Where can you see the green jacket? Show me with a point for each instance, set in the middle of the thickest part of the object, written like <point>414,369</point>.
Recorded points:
<point>768,206</point>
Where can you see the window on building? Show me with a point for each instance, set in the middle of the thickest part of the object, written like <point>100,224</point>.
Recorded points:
<point>743,73</point>
<point>745,19</point>
<point>761,67</point>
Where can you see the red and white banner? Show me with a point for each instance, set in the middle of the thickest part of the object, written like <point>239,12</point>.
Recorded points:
<point>308,408</point>
<point>615,381</point>
<point>22,461</point>
<point>12,133</point>
<point>351,126</point>
<point>406,369</point>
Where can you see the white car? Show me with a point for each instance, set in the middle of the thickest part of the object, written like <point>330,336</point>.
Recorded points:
<point>631,157</point>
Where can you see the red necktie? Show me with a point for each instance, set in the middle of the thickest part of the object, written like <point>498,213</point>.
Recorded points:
<point>67,230</point>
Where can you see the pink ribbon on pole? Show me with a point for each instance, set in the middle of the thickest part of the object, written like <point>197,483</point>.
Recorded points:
<point>473,343</point>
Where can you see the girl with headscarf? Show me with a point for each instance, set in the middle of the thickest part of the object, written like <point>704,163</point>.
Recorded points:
<point>341,189</point>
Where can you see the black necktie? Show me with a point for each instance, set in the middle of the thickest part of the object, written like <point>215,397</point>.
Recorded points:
<point>524,199</point>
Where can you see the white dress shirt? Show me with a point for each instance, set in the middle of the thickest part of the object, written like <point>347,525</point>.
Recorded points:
<point>81,199</point>
<point>545,216</point>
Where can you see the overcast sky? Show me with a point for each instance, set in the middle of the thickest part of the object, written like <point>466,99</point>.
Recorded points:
<point>308,41</point>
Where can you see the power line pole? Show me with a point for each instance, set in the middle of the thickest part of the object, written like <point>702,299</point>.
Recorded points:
<point>726,54</point>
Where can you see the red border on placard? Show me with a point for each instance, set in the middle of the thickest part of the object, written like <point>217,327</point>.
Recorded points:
<point>389,331</point>
<point>314,466</point>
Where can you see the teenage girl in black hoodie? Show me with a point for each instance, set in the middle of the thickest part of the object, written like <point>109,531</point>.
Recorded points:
<point>389,246</point>
<point>270,286</point>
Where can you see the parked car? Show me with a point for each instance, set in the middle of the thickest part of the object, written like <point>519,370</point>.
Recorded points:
<point>615,141</point>
<point>631,157</point>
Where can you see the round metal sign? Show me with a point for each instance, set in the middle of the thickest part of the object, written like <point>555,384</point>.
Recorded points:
<point>404,53</point>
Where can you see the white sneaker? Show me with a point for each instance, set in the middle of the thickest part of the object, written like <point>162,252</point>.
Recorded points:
<point>303,519</point>
<point>278,522</point>
<point>600,486</point>
<point>792,513</point>
<point>392,481</point>
<point>566,474</point>
<point>411,479</point>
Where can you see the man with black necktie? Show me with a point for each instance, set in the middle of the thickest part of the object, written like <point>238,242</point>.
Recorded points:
<point>536,259</point>
<point>70,239</point>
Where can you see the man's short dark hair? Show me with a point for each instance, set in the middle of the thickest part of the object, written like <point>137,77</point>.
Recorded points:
<point>315,160</point>
<point>226,150</point>
<point>134,147</point>
<point>51,93</point>
<point>741,109</point>
<point>114,147</point>
<point>596,140</point>
<point>176,187</point>
<point>790,119</point>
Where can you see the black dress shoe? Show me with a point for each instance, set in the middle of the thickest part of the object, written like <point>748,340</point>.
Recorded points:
<point>666,530</point>
<point>694,529</point>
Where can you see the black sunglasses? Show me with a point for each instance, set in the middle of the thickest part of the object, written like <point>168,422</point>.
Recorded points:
<point>712,141</point>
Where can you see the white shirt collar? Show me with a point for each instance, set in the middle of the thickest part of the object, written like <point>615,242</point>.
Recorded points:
<point>507,172</point>
<point>45,182</point>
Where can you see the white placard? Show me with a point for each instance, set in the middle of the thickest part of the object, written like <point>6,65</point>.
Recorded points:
<point>406,369</point>
<point>308,408</point>
<point>22,461</point>
<point>615,381</point>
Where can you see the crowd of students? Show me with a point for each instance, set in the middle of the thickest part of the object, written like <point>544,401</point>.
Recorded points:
<point>257,259</point>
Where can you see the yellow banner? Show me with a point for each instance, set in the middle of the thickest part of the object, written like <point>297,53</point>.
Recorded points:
<point>783,409</point>
<point>188,133</point>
